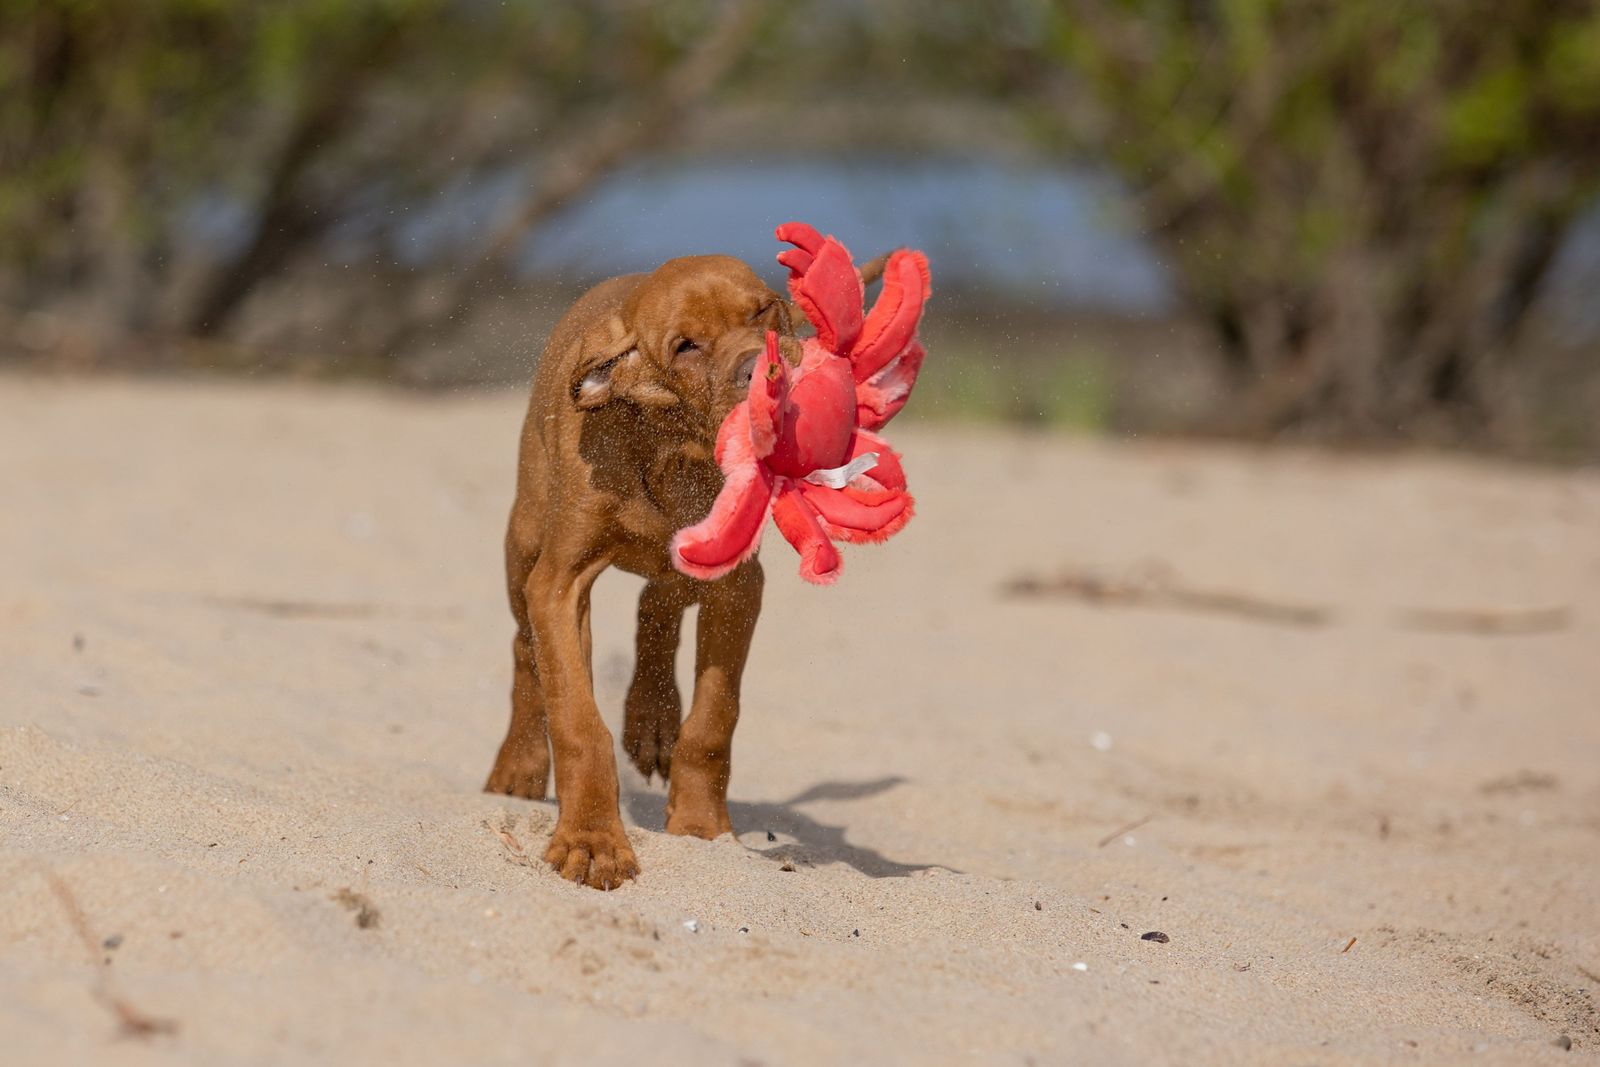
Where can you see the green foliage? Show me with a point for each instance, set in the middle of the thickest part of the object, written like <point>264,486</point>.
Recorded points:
<point>157,97</point>
<point>1061,386</point>
<point>114,114</point>
<point>1362,195</point>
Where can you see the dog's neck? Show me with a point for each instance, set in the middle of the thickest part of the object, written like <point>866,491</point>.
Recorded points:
<point>657,467</point>
<point>678,468</point>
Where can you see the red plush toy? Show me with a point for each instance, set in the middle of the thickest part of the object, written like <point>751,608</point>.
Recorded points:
<point>802,447</point>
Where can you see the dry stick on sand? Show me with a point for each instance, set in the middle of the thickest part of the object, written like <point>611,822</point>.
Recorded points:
<point>1119,831</point>
<point>1161,590</point>
<point>132,1021</point>
<point>1158,588</point>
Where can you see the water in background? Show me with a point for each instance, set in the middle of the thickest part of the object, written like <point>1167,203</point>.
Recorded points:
<point>1052,237</point>
<point>1056,239</point>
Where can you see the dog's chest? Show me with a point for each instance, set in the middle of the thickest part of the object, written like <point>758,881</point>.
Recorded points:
<point>678,490</point>
<point>681,483</point>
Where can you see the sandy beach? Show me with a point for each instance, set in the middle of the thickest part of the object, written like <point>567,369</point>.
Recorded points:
<point>1314,780</point>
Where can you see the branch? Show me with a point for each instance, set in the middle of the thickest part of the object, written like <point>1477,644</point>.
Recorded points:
<point>286,223</point>
<point>598,152</point>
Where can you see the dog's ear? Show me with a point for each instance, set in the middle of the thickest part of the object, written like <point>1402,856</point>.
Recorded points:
<point>620,375</point>
<point>594,386</point>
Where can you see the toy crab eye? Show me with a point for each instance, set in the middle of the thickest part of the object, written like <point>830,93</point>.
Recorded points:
<point>746,371</point>
<point>684,347</point>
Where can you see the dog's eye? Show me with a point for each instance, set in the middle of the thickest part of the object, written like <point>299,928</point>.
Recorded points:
<point>746,371</point>
<point>684,347</point>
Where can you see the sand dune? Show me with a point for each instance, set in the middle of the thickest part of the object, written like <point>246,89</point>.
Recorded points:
<point>255,654</point>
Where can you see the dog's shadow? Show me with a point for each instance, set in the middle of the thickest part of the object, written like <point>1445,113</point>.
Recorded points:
<point>814,842</point>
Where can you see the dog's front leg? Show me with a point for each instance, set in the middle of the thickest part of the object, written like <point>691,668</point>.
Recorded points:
<point>589,844</point>
<point>697,800</point>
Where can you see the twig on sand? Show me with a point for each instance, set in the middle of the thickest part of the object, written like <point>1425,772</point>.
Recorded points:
<point>510,842</point>
<point>515,853</point>
<point>1155,586</point>
<point>1158,588</point>
<point>1119,831</point>
<point>1348,945</point>
<point>131,1021</point>
<point>1486,621</point>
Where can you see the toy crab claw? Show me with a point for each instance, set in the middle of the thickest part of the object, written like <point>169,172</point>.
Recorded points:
<point>801,447</point>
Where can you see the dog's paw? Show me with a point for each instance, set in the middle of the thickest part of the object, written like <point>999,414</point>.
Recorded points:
<point>649,730</point>
<point>600,859</point>
<point>706,820</point>
<point>526,777</point>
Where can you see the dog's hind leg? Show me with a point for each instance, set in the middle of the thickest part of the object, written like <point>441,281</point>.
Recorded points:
<point>697,801</point>
<point>654,706</point>
<point>522,767</point>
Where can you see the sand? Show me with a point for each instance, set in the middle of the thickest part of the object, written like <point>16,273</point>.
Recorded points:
<point>255,655</point>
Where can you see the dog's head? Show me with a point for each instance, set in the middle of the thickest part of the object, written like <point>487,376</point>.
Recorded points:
<point>686,341</point>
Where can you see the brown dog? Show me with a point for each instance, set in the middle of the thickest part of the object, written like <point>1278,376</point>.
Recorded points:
<point>616,456</point>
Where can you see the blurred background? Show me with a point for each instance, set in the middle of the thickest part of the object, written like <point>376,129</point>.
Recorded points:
<point>1347,221</point>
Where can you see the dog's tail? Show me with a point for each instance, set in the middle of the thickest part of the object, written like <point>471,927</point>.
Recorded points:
<point>872,269</point>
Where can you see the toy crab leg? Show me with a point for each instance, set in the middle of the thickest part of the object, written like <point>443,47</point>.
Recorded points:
<point>880,398</point>
<point>824,282</point>
<point>732,532</point>
<point>887,472</point>
<point>769,387</point>
<point>807,243</point>
<point>859,515</point>
<point>819,560</point>
<point>892,323</point>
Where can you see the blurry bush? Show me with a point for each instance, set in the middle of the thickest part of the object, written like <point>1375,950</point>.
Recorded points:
<point>1359,200</point>
<point>302,122</point>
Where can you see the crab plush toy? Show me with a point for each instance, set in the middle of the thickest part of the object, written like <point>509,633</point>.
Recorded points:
<point>803,447</point>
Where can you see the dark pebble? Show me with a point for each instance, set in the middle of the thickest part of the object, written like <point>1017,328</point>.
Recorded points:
<point>1038,906</point>
<point>1155,935</point>
<point>1564,1043</point>
<point>855,933</point>
<point>771,836</point>
<point>113,942</point>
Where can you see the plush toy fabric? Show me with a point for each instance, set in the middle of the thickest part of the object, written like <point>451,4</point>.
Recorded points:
<point>802,447</point>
